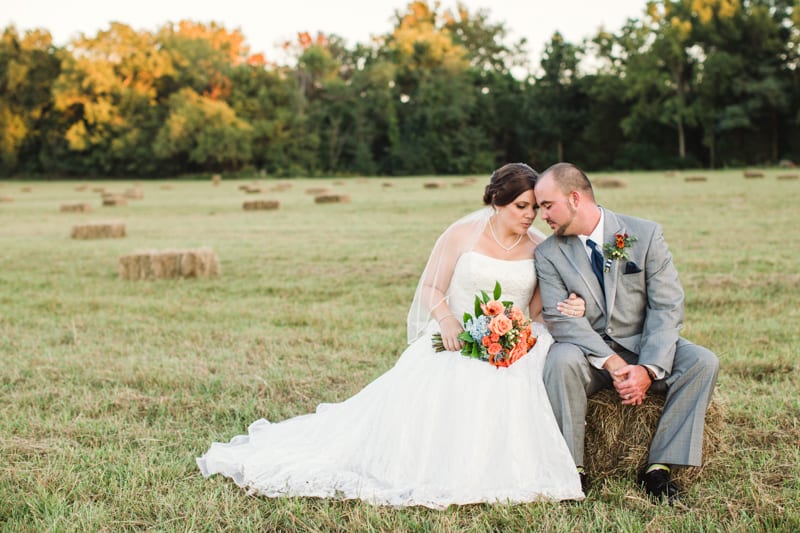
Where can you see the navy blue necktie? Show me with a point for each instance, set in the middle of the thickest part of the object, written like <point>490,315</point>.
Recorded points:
<point>597,262</point>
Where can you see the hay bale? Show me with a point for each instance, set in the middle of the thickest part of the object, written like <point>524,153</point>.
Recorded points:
<point>692,179</point>
<point>618,436</point>
<point>166,187</point>
<point>362,180</point>
<point>81,188</point>
<point>434,185</point>
<point>169,264</point>
<point>753,174</point>
<point>339,182</point>
<point>99,230</point>
<point>609,183</point>
<point>315,191</point>
<point>387,184</point>
<point>216,179</point>
<point>788,177</point>
<point>100,190</point>
<point>76,208</point>
<point>111,200</point>
<point>332,199</point>
<point>281,187</point>
<point>6,199</point>
<point>261,205</point>
<point>26,189</point>
<point>134,194</point>
<point>253,189</point>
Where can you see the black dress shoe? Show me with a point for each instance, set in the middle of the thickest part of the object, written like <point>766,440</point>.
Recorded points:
<point>584,482</point>
<point>657,485</point>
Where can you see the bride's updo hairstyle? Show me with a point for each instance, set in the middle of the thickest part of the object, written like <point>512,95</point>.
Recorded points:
<point>508,182</point>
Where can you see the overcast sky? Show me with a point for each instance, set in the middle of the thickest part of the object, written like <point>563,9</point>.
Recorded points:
<point>265,23</point>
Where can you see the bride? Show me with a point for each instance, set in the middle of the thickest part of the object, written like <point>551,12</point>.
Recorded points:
<point>438,428</point>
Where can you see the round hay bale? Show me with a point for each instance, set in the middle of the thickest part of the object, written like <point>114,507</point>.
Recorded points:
<point>261,205</point>
<point>618,436</point>
<point>339,182</point>
<point>6,199</point>
<point>216,179</point>
<point>434,185</point>
<point>26,189</point>
<point>252,189</point>
<point>692,179</point>
<point>169,264</point>
<point>99,230</point>
<point>281,187</point>
<point>753,174</point>
<point>332,199</point>
<point>76,208</point>
<point>101,190</point>
<point>387,184</point>
<point>362,180</point>
<point>166,187</point>
<point>788,177</point>
<point>315,191</point>
<point>610,183</point>
<point>112,200</point>
<point>81,188</point>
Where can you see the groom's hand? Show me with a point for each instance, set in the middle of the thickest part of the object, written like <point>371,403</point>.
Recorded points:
<point>632,383</point>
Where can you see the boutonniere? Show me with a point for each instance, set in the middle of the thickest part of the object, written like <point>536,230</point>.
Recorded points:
<point>614,251</point>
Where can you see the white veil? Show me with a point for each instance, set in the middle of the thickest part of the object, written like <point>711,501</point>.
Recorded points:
<point>432,288</point>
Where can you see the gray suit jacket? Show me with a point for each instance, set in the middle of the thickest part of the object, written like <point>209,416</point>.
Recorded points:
<point>642,310</point>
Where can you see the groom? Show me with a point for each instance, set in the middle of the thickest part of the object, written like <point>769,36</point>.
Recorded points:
<point>629,336</point>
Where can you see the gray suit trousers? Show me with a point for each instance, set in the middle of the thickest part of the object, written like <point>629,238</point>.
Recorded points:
<point>570,379</point>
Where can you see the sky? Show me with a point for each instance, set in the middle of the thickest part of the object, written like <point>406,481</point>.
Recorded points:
<point>266,23</point>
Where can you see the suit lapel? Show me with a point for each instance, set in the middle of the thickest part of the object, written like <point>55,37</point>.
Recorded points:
<point>611,227</point>
<point>573,250</point>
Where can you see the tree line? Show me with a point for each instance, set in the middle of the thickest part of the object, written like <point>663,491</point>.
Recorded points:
<point>688,83</point>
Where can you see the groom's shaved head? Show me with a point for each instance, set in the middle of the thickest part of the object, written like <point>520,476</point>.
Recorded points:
<point>569,178</point>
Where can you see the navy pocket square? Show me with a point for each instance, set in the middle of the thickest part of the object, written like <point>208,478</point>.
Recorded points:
<point>632,268</point>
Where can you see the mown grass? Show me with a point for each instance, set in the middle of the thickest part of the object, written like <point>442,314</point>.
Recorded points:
<point>110,388</point>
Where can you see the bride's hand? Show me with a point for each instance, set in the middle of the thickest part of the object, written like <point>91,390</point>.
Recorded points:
<point>574,306</point>
<point>450,329</point>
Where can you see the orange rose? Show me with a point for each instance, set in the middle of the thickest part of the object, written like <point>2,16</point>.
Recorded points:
<point>495,337</point>
<point>500,325</point>
<point>503,362</point>
<point>486,341</point>
<point>531,342</point>
<point>516,314</point>
<point>494,348</point>
<point>493,308</point>
<point>520,349</point>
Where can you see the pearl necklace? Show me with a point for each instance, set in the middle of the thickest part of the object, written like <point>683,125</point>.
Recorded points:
<point>506,248</point>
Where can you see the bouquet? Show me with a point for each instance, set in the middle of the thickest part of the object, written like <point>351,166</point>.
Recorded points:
<point>498,333</point>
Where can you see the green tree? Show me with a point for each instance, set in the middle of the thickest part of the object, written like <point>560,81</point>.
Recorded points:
<point>107,95</point>
<point>29,65</point>
<point>203,134</point>
<point>557,110</point>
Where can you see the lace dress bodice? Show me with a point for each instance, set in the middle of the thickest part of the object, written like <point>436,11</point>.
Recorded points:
<point>475,272</point>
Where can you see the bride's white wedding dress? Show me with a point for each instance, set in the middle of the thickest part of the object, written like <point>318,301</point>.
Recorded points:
<point>436,429</point>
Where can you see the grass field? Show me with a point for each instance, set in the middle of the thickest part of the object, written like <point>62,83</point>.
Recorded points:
<point>109,389</point>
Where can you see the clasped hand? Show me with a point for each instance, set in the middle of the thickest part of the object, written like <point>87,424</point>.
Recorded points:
<point>631,383</point>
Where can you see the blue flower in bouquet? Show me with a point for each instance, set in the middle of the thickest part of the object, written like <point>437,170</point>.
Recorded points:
<point>478,327</point>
